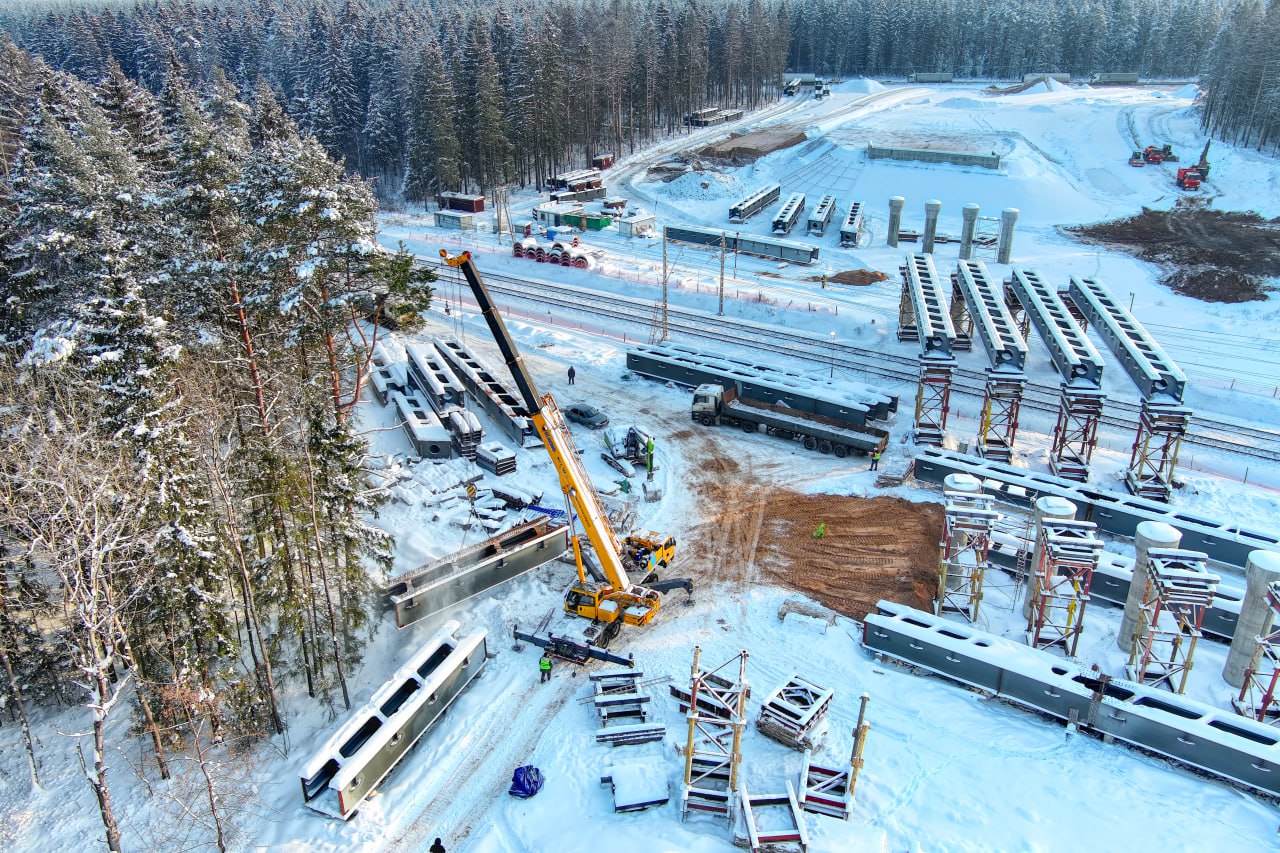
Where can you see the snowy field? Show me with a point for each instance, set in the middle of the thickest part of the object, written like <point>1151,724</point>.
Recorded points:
<point>946,769</point>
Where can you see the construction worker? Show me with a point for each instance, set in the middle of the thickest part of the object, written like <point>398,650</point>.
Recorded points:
<point>875,459</point>
<point>572,373</point>
<point>438,847</point>
<point>544,666</point>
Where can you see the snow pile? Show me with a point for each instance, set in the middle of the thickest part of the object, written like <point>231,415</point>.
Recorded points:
<point>966,104</point>
<point>862,85</point>
<point>1190,91</point>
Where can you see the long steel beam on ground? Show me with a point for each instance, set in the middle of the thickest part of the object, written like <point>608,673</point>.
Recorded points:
<point>1206,431</point>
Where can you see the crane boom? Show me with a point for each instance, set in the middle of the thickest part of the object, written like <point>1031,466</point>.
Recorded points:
<point>579,493</point>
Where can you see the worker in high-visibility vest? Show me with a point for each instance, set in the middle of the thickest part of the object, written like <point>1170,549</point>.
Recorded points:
<point>544,666</point>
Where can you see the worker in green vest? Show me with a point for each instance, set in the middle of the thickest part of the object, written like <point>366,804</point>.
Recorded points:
<point>544,666</point>
<point>875,459</point>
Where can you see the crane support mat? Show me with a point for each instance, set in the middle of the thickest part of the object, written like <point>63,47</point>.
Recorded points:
<point>638,783</point>
<point>1218,742</point>
<point>826,790</point>
<point>628,735</point>
<point>783,816</point>
<point>1111,511</point>
<point>790,713</point>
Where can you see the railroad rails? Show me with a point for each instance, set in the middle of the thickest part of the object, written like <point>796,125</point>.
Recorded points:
<point>1208,432</point>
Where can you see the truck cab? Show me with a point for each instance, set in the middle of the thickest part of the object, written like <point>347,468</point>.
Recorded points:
<point>708,401</point>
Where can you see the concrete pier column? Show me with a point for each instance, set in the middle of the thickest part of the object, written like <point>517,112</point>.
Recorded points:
<point>970,214</point>
<point>1260,571</point>
<point>896,204</point>
<point>931,210</point>
<point>1150,534</point>
<point>1048,508</point>
<point>1008,217</point>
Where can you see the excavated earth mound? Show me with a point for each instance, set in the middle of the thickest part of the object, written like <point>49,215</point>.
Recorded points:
<point>1212,255</point>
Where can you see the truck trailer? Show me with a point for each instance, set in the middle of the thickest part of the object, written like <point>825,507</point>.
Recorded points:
<point>715,404</point>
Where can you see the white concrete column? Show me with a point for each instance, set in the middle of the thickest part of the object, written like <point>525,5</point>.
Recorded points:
<point>1004,249</point>
<point>970,215</point>
<point>932,208</point>
<point>896,204</point>
<point>1260,571</point>
<point>1150,534</point>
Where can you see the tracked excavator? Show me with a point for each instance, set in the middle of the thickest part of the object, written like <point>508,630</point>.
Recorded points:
<point>613,600</point>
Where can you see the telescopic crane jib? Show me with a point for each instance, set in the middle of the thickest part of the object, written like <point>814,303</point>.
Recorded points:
<point>615,601</point>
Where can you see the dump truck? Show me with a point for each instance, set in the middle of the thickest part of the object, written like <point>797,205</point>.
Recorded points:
<point>715,404</point>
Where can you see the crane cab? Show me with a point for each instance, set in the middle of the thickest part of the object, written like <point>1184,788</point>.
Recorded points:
<point>602,603</point>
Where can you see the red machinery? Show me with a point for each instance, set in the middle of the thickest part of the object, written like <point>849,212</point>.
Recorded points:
<point>1189,178</point>
<point>1153,154</point>
<point>1135,159</point>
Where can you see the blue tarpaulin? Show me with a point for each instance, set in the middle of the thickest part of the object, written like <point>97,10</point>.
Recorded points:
<point>525,782</point>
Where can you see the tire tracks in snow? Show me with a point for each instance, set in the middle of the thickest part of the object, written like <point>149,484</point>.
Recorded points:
<point>492,753</point>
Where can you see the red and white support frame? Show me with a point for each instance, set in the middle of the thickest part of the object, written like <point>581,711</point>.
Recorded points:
<point>966,541</point>
<point>1076,434</point>
<point>933,399</point>
<point>1258,697</point>
<point>1068,555</point>
<point>1179,591</point>
<point>1161,427</point>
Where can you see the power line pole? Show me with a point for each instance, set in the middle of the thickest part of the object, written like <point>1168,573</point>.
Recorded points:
<point>723,240</point>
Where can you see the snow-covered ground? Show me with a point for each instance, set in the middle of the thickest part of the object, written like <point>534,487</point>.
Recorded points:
<point>946,769</point>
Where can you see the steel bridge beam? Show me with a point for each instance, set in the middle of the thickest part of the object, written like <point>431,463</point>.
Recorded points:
<point>926,304</point>
<point>1149,366</point>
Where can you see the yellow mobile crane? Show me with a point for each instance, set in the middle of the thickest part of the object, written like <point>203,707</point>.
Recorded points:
<point>615,601</point>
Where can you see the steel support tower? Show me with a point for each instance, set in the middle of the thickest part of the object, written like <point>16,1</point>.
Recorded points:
<point>1259,697</point>
<point>966,540</point>
<point>923,317</point>
<point>1068,553</point>
<point>983,310</point>
<point>1163,421</point>
<point>1179,590</point>
<point>713,750</point>
<point>1079,365</point>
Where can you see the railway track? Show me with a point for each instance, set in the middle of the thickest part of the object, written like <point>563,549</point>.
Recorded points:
<point>1205,431</point>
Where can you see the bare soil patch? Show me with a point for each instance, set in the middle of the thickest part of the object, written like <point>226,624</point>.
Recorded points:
<point>858,278</point>
<point>871,549</point>
<point>1211,255</point>
<point>750,147</point>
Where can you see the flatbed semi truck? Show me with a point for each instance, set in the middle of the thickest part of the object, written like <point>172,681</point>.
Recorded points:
<point>715,404</point>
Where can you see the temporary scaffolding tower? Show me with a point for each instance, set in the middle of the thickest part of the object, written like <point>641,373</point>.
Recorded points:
<point>717,715</point>
<point>1179,590</point>
<point>923,317</point>
<point>1258,695</point>
<point>1068,554</point>
<point>966,539</point>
